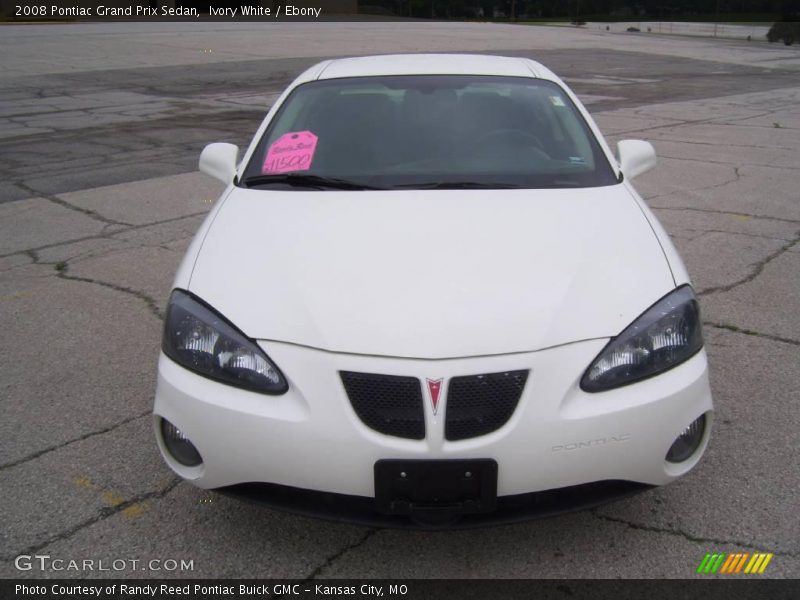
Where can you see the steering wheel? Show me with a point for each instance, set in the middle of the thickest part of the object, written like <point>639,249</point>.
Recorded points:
<point>516,137</point>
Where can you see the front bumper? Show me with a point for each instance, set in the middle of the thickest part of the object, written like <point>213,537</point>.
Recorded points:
<point>360,510</point>
<point>311,439</point>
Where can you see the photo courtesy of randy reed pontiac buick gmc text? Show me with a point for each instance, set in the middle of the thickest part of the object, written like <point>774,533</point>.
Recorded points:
<point>200,590</point>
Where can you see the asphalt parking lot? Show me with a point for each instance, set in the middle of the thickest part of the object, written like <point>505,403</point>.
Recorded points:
<point>100,129</point>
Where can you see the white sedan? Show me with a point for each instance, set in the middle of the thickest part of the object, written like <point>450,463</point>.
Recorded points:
<point>430,296</point>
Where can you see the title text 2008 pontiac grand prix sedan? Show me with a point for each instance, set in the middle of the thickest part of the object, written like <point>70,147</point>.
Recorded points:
<point>430,296</point>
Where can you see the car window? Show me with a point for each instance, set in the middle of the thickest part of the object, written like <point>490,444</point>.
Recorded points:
<point>406,132</point>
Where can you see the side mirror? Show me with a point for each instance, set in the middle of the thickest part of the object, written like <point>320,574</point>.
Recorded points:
<point>635,157</point>
<point>219,161</point>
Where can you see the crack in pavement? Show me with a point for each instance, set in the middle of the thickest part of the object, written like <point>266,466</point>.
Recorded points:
<point>103,514</point>
<point>64,204</point>
<point>758,268</point>
<point>750,332</point>
<point>703,232</point>
<point>727,144</point>
<point>728,163</point>
<point>61,272</point>
<point>674,123</point>
<point>687,536</point>
<point>39,453</point>
<point>341,552</point>
<point>152,305</point>
<point>716,120</point>
<point>736,177</point>
<point>103,236</point>
<point>723,212</point>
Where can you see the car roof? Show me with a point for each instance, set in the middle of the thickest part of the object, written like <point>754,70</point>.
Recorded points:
<point>428,64</point>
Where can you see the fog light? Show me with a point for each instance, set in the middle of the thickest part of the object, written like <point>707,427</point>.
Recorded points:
<point>179,445</point>
<point>688,441</point>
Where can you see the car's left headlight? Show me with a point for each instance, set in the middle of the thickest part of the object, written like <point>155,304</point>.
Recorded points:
<point>665,335</point>
<point>200,339</point>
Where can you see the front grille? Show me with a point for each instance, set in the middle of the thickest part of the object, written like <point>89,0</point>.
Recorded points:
<point>480,404</point>
<point>387,403</point>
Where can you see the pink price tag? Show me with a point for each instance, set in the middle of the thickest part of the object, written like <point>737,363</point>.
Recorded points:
<point>293,151</point>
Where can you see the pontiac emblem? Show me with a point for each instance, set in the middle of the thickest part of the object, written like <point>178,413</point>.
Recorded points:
<point>434,387</point>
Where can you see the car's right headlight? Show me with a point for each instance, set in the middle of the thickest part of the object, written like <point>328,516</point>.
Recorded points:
<point>665,335</point>
<point>203,341</point>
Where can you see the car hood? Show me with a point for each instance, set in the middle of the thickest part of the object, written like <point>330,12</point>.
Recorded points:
<point>431,274</point>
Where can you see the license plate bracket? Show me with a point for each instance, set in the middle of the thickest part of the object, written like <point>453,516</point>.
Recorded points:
<point>458,486</point>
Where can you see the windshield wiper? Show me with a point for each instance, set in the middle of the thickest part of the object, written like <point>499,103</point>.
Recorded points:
<point>308,181</point>
<point>456,185</point>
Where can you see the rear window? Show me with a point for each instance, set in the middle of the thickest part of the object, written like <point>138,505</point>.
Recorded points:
<point>406,132</point>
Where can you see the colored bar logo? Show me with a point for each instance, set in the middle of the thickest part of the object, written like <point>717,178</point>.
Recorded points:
<point>736,562</point>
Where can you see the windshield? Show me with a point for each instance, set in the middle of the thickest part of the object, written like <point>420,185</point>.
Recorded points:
<point>428,132</point>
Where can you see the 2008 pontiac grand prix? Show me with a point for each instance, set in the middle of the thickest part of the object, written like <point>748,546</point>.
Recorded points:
<point>430,296</point>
